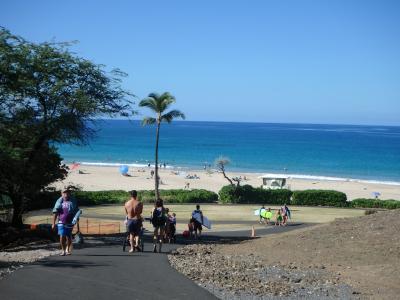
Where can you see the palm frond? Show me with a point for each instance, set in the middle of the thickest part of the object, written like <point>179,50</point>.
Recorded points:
<point>148,121</point>
<point>149,102</point>
<point>165,100</point>
<point>154,95</point>
<point>173,114</point>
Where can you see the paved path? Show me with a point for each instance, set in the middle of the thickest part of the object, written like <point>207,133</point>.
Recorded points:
<point>105,272</point>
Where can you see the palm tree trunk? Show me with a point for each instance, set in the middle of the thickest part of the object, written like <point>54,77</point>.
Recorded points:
<point>157,193</point>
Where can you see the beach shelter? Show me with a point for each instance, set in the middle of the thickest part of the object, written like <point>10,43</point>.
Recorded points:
<point>273,181</point>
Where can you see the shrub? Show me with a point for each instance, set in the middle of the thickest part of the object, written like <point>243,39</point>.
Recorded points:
<point>319,197</point>
<point>248,194</point>
<point>180,196</point>
<point>375,203</point>
<point>101,197</point>
<point>87,198</point>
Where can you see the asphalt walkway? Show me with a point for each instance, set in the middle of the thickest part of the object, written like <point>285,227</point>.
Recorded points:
<point>105,272</point>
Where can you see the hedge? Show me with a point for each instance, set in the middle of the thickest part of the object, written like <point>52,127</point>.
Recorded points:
<point>374,203</point>
<point>319,198</point>
<point>180,196</point>
<point>248,194</point>
<point>87,198</point>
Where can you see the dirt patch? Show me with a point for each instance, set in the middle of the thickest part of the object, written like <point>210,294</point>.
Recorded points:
<point>11,237</point>
<point>348,258</point>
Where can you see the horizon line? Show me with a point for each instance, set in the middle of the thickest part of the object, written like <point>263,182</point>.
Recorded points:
<point>260,122</point>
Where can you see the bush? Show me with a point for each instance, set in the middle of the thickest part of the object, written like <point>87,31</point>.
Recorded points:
<point>374,203</point>
<point>319,198</point>
<point>248,194</point>
<point>180,196</point>
<point>88,198</point>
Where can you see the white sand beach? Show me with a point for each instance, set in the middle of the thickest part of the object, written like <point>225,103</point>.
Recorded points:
<point>95,178</point>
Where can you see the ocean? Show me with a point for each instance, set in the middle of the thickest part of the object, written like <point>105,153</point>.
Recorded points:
<point>339,152</point>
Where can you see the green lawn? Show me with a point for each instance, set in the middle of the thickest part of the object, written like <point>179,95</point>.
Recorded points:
<point>231,213</point>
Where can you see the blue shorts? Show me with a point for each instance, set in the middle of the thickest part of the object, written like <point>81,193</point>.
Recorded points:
<point>134,226</point>
<point>64,229</point>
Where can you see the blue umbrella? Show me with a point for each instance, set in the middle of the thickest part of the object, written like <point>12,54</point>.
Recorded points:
<point>123,169</point>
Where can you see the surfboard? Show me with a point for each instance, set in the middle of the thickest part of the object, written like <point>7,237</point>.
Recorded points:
<point>76,217</point>
<point>206,222</point>
<point>266,214</point>
<point>257,212</point>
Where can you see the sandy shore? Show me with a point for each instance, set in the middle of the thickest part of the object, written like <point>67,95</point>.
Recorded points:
<point>95,178</point>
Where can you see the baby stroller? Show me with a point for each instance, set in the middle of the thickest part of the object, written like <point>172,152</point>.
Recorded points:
<point>127,243</point>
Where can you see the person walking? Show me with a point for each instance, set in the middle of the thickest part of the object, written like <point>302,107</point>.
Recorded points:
<point>158,219</point>
<point>261,217</point>
<point>196,223</point>
<point>64,210</point>
<point>134,209</point>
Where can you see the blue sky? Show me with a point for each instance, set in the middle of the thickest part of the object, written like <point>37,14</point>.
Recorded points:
<point>259,61</point>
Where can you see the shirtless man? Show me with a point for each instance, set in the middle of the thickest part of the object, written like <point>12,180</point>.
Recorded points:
<point>133,209</point>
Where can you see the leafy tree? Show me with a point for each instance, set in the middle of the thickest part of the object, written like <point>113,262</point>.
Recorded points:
<point>159,104</point>
<point>48,95</point>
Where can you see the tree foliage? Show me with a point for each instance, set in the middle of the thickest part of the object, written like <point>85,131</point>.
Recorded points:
<point>48,95</point>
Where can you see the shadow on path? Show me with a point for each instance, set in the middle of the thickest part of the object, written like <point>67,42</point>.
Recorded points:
<point>68,264</point>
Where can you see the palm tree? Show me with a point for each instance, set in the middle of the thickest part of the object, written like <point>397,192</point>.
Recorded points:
<point>159,104</point>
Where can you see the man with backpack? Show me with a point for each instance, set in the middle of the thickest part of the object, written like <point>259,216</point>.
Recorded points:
<point>158,219</point>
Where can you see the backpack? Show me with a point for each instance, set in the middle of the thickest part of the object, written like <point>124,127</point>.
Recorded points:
<point>158,218</point>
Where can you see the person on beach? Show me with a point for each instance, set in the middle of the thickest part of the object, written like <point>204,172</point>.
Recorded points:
<point>133,209</point>
<point>279,218</point>
<point>170,226</point>
<point>158,219</point>
<point>64,210</point>
<point>285,214</point>
<point>167,223</point>
<point>190,228</point>
<point>261,217</point>
<point>197,228</point>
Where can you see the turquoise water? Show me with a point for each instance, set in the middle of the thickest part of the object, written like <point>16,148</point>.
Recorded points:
<point>345,151</point>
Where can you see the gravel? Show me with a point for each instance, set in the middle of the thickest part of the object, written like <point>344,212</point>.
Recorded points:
<point>245,277</point>
<point>16,258</point>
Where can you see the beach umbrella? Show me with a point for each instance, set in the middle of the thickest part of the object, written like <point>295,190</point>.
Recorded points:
<point>74,166</point>
<point>123,169</point>
<point>376,194</point>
